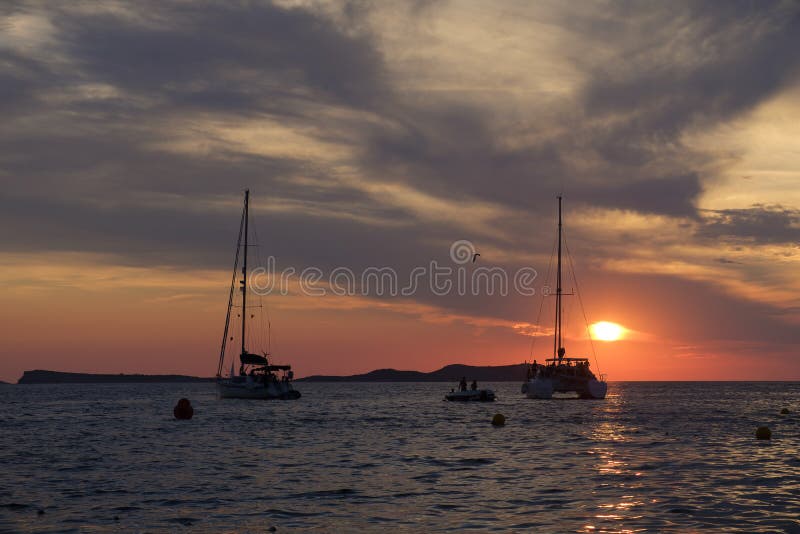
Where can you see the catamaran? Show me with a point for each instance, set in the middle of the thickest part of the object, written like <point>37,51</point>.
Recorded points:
<point>560,374</point>
<point>257,377</point>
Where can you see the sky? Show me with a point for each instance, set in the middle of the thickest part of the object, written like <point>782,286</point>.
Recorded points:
<point>378,135</point>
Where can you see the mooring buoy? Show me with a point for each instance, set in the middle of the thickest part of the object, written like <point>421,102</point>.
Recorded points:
<point>763,432</point>
<point>183,410</point>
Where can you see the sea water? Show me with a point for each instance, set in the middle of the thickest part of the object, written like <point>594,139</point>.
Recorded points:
<point>379,457</point>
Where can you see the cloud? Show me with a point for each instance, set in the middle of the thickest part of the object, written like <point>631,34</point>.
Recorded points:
<point>19,78</point>
<point>758,224</point>
<point>204,79</point>
<point>378,136</point>
<point>687,63</point>
<point>213,55</point>
<point>616,141</point>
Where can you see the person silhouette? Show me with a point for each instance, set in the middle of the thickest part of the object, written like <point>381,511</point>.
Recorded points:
<point>463,384</point>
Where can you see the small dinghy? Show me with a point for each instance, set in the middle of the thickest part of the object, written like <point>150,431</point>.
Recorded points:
<point>472,394</point>
<point>481,395</point>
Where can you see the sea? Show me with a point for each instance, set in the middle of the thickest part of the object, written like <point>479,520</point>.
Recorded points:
<point>394,457</point>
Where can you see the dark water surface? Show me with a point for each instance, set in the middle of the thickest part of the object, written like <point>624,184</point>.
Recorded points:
<point>393,457</point>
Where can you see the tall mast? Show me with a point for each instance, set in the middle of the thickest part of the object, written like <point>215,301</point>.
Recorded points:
<point>244,269</point>
<point>557,340</point>
<point>230,298</point>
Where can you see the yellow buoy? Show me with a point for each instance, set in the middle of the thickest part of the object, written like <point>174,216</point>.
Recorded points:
<point>763,432</point>
<point>499,419</point>
<point>784,411</point>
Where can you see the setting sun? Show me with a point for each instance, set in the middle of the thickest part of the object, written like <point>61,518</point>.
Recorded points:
<point>606,331</point>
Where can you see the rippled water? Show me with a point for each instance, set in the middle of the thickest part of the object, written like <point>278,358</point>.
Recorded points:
<point>373,457</point>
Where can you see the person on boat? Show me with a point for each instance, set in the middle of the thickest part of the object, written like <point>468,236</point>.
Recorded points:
<point>462,386</point>
<point>474,386</point>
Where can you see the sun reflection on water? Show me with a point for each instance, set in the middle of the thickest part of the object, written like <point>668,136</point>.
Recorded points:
<point>613,470</point>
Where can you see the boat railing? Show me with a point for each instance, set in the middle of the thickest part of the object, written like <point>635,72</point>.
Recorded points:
<point>603,377</point>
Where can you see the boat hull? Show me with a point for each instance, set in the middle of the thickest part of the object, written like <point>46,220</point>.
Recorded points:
<point>597,389</point>
<point>544,388</point>
<point>479,395</point>
<point>538,388</point>
<point>251,389</point>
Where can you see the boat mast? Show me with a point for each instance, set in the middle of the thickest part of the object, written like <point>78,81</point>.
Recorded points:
<point>230,298</point>
<point>244,270</point>
<point>557,340</point>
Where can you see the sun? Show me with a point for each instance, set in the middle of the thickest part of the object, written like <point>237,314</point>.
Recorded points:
<point>606,331</point>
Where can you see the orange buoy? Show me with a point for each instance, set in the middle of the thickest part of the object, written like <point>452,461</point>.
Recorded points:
<point>183,410</point>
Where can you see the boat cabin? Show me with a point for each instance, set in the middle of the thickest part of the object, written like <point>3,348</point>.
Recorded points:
<point>578,367</point>
<point>256,365</point>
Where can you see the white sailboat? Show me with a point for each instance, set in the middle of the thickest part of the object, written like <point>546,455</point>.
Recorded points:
<point>560,374</point>
<point>257,377</point>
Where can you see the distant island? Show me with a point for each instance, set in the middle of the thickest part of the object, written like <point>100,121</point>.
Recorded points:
<point>448,373</point>
<point>56,377</point>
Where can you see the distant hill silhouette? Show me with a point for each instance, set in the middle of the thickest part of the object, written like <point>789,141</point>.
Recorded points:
<point>448,373</point>
<point>56,377</point>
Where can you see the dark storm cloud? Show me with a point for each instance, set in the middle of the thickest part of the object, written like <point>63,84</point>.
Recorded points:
<point>678,66</point>
<point>452,153</point>
<point>112,163</point>
<point>152,207</point>
<point>695,65</point>
<point>742,53</point>
<point>20,77</point>
<point>264,61</point>
<point>175,234</point>
<point>68,184</point>
<point>225,56</point>
<point>760,224</point>
<point>670,194</point>
<point>13,91</point>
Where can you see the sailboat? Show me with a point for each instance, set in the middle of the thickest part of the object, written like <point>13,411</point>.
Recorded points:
<point>560,374</point>
<point>257,377</point>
